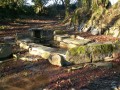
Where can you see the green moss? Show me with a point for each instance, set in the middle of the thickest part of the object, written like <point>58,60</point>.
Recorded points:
<point>101,49</point>
<point>59,32</point>
<point>78,50</point>
<point>3,27</point>
<point>107,48</point>
<point>91,53</point>
<point>95,49</point>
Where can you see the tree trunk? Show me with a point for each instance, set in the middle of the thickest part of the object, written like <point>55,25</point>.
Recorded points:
<point>67,7</point>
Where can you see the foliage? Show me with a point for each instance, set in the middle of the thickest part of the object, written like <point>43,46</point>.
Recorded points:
<point>88,9</point>
<point>3,27</point>
<point>39,5</point>
<point>11,8</point>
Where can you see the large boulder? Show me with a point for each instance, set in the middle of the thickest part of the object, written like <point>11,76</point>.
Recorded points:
<point>5,50</point>
<point>57,59</point>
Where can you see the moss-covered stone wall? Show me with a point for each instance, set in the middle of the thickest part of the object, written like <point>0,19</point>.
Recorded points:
<point>90,53</point>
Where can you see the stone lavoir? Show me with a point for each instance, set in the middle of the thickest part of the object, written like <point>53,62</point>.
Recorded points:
<point>81,51</point>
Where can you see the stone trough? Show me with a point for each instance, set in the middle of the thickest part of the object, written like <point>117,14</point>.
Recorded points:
<point>68,50</point>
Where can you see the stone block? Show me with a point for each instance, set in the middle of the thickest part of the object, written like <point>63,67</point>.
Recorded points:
<point>76,41</point>
<point>73,36</point>
<point>79,37</point>
<point>59,32</point>
<point>90,53</point>
<point>24,45</point>
<point>71,46</point>
<point>81,41</point>
<point>63,45</point>
<point>40,50</point>
<point>5,50</point>
<point>68,40</point>
<point>58,60</point>
<point>94,31</point>
<point>60,37</point>
<point>9,39</point>
<point>78,55</point>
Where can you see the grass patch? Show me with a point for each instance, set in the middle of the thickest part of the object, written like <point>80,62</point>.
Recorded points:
<point>3,27</point>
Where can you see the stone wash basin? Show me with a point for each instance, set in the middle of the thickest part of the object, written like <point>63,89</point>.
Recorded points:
<point>40,35</point>
<point>67,50</point>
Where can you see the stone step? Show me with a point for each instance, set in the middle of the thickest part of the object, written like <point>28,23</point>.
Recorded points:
<point>60,37</point>
<point>76,41</point>
<point>56,56</point>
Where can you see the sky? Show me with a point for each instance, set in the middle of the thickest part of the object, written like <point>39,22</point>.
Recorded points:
<point>113,1</point>
<point>52,1</point>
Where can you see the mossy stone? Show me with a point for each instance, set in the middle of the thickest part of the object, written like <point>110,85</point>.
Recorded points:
<point>78,55</point>
<point>100,51</point>
<point>90,53</point>
<point>59,32</point>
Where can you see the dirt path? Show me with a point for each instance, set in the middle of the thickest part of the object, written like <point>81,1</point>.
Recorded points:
<point>21,75</point>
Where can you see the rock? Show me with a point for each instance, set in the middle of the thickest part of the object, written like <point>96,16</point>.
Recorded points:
<point>81,27</point>
<point>63,45</point>
<point>24,45</point>
<point>59,32</point>
<point>73,36</point>
<point>9,40</point>
<point>89,53</point>
<point>68,40</point>
<point>100,51</point>
<point>108,59</point>
<point>41,50</point>
<point>116,54</point>
<point>81,41</point>
<point>75,68</point>
<point>57,60</point>
<point>29,58</point>
<point>45,55</point>
<point>5,50</point>
<point>86,29</point>
<point>71,46</point>
<point>54,43</point>
<point>94,31</point>
<point>78,55</point>
<point>116,33</point>
<point>26,40</point>
<point>78,37</point>
<point>104,64</point>
<point>76,41</point>
<point>60,37</point>
<point>22,35</point>
<point>44,51</point>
